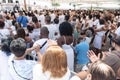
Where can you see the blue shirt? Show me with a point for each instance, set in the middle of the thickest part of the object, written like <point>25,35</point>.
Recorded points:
<point>23,20</point>
<point>81,51</point>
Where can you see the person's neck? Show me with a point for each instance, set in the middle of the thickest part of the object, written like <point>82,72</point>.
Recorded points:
<point>44,37</point>
<point>48,23</point>
<point>19,58</point>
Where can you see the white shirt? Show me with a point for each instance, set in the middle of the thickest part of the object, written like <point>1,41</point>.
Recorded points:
<point>52,17</point>
<point>83,22</point>
<point>42,19</point>
<point>75,78</point>
<point>4,74</point>
<point>118,31</point>
<point>22,68</point>
<point>4,33</point>
<point>39,75</point>
<point>90,23</point>
<point>101,33</point>
<point>88,39</point>
<point>9,22</point>
<point>61,18</point>
<point>52,29</point>
<point>70,56</point>
<point>96,22</point>
<point>36,33</point>
<point>41,42</point>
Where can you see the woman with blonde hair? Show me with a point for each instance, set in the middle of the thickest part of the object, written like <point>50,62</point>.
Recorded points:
<point>52,65</point>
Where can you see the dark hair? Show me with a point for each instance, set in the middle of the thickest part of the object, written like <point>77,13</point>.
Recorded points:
<point>7,17</point>
<point>90,16</point>
<point>65,29</point>
<point>97,16</point>
<point>30,28</point>
<point>29,14</point>
<point>5,44</point>
<point>34,19</point>
<point>18,47</point>
<point>102,21</point>
<point>48,18</point>
<point>67,17</point>
<point>2,24</point>
<point>56,20</point>
<point>21,33</point>
<point>21,12</point>
<point>13,22</point>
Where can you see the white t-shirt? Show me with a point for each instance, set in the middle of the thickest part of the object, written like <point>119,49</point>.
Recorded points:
<point>4,33</point>
<point>88,39</point>
<point>118,31</point>
<point>96,22</point>
<point>4,74</point>
<point>90,23</point>
<point>52,16</point>
<point>61,18</point>
<point>101,33</point>
<point>36,33</point>
<point>41,42</point>
<point>42,19</point>
<point>75,78</point>
<point>39,75</point>
<point>21,68</point>
<point>70,56</point>
<point>52,30</point>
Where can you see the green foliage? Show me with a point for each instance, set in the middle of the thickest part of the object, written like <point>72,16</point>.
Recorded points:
<point>55,4</point>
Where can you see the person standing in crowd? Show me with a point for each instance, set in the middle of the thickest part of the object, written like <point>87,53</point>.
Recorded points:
<point>52,15</point>
<point>22,19</point>
<point>3,32</point>
<point>51,27</point>
<point>81,50</point>
<point>52,65</point>
<point>5,54</point>
<point>65,42</point>
<point>44,36</point>
<point>42,18</point>
<point>21,34</point>
<point>19,67</point>
<point>37,26</point>
<point>100,32</point>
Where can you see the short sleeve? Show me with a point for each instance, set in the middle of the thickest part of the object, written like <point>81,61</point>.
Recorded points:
<point>75,78</point>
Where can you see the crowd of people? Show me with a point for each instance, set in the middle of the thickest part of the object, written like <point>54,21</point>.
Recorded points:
<point>60,45</point>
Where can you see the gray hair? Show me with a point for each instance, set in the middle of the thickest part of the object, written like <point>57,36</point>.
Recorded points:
<point>18,47</point>
<point>5,44</point>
